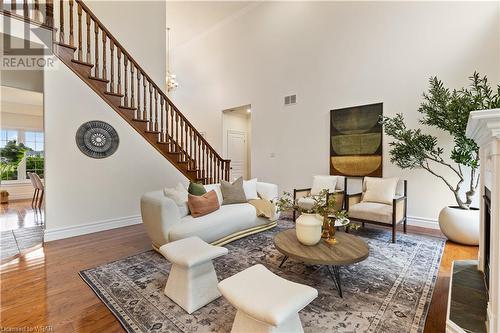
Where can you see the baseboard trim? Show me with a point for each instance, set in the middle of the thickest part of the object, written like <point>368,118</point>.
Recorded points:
<point>84,229</point>
<point>423,222</point>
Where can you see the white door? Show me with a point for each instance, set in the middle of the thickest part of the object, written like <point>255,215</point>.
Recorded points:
<point>237,153</point>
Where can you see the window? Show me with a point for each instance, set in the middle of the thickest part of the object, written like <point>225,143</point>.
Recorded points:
<point>34,140</point>
<point>34,156</point>
<point>8,135</point>
<point>8,167</point>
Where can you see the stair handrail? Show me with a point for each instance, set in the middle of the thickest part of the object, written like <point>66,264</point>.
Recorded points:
<point>209,165</point>
<point>143,72</point>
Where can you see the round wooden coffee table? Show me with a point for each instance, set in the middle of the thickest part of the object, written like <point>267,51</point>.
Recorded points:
<point>350,249</point>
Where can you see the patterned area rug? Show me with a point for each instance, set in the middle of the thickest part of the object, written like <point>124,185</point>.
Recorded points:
<point>388,292</point>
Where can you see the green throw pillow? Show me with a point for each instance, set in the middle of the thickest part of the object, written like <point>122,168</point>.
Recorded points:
<point>196,189</point>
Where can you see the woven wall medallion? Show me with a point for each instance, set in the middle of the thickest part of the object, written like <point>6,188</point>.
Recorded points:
<point>97,139</point>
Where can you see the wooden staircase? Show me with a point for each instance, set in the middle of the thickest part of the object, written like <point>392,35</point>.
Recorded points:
<point>87,47</point>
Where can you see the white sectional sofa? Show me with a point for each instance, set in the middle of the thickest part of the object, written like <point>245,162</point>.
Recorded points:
<point>163,221</point>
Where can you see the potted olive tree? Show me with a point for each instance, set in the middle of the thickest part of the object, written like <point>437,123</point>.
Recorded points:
<point>449,111</point>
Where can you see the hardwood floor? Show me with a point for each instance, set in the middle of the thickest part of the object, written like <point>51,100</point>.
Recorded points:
<point>43,289</point>
<point>19,214</point>
<point>21,229</point>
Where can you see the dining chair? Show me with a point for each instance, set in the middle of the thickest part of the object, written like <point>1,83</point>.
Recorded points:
<point>35,193</point>
<point>39,189</point>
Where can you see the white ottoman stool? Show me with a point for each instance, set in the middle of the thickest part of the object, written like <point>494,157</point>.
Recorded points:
<point>265,301</point>
<point>192,282</point>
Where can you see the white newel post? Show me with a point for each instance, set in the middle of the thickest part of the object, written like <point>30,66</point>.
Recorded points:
<point>484,128</point>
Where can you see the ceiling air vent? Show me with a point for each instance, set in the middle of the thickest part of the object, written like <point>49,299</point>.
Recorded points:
<point>292,99</point>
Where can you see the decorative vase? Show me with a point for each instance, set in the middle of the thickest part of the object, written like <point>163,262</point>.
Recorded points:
<point>460,225</point>
<point>308,229</point>
<point>331,234</point>
<point>326,227</point>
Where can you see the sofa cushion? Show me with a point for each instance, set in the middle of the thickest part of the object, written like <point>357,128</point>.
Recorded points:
<point>201,205</point>
<point>223,222</point>
<point>250,188</point>
<point>179,195</point>
<point>267,191</point>
<point>216,188</point>
<point>233,193</point>
<point>380,190</point>
<point>321,183</point>
<point>196,189</point>
<point>371,211</point>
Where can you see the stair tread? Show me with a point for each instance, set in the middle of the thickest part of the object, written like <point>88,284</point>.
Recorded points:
<point>128,108</point>
<point>113,94</point>
<point>153,132</point>
<point>140,120</point>
<point>76,61</point>
<point>66,45</point>
<point>98,79</point>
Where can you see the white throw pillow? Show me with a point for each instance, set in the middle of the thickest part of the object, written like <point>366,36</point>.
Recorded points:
<point>179,195</point>
<point>267,191</point>
<point>250,188</point>
<point>381,190</point>
<point>321,183</point>
<point>216,188</point>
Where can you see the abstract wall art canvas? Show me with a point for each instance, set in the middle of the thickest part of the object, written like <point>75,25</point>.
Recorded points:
<point>356,141</point>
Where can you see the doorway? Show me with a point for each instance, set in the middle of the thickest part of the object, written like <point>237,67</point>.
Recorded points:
<point>22,216</point>
<point>236,140</point>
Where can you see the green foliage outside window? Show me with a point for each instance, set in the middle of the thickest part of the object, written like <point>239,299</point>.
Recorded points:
<point>10,157</point>
<point>35,164</point>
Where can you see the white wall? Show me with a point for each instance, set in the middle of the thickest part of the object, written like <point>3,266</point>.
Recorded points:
<point>84,194</point>
<point>27,80</point>
<point>332,55</point>
<point>12,119</point>
<point>140,27</point>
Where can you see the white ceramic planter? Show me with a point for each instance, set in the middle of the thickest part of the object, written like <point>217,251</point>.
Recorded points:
<point>460,225</point>
<point>308,229</point>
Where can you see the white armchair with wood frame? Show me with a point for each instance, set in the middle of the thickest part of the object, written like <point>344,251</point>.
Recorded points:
<point>334,184</point>
<point>383,201</point>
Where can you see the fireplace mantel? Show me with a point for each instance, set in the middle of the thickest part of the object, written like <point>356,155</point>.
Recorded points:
<point>484,128</point>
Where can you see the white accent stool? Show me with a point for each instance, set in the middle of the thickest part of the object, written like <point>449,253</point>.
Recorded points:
<point>192,282</point>
<point>265,302</point>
